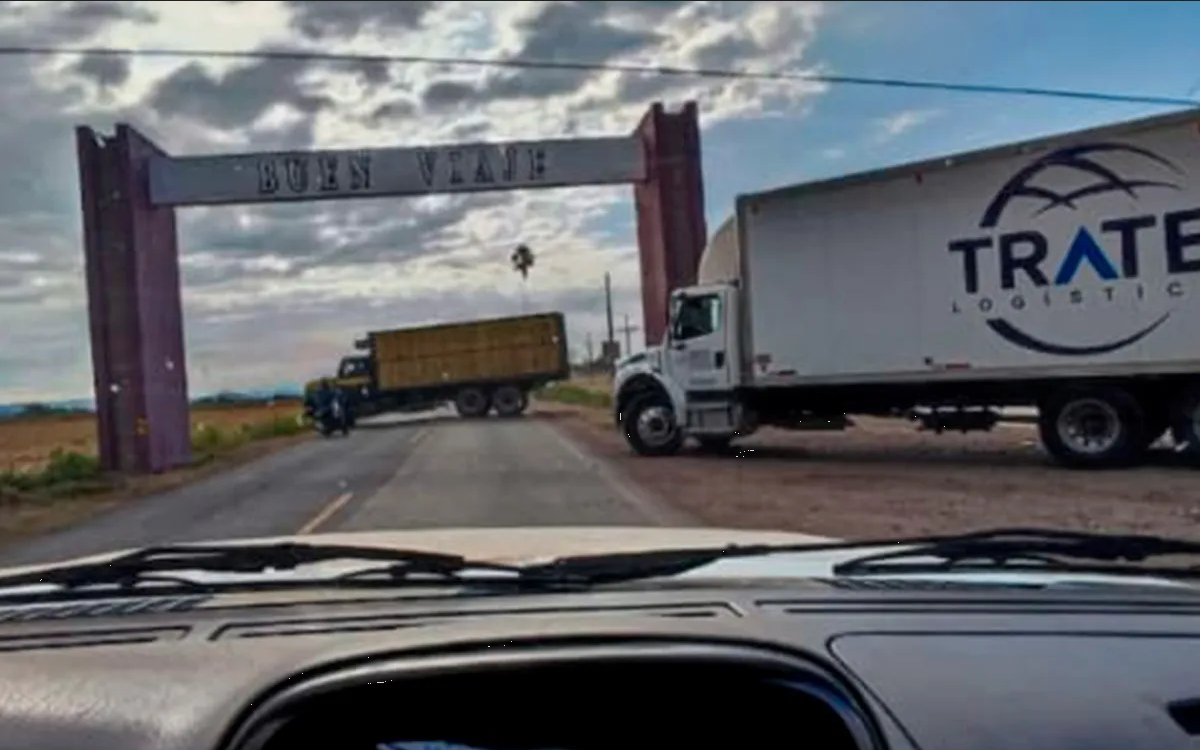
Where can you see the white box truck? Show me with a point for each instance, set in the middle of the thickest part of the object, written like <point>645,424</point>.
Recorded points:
<point>1060,274</point>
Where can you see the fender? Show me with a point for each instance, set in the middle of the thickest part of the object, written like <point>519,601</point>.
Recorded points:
<point>638,376</point>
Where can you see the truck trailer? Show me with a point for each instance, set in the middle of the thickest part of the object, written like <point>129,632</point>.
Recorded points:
<point>478,365</point>
<point>1059,274</point>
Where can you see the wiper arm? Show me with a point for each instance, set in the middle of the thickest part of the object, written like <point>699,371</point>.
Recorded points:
<point>1029,549</point>
<point>164,564</point>
<point>1009,549</point>
<point>632,566</point>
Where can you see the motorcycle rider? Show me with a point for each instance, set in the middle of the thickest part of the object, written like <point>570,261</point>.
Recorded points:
<point>326,396</point>
<point>323,396</point>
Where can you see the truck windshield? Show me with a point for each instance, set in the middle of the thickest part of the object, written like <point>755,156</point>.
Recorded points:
<point>351,368</point>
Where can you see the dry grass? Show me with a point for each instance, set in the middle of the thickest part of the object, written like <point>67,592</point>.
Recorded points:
<point>24,515</point>
<point>596,383</point>
<point>594,391</point>
<point>49,479</point>
<point>26,444</point>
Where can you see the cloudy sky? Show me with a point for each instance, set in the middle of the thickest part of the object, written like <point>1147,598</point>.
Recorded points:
<point>275,294</point>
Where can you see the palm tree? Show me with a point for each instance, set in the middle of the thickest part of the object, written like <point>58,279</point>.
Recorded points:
<point>522,261</point>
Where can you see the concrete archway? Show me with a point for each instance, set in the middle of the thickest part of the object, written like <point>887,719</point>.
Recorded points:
<point>130,189</point>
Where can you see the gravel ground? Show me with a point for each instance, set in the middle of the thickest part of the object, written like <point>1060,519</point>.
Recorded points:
<point>883,478</point>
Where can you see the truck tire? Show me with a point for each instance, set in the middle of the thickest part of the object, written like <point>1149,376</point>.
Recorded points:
<point>650,426</point>
<point>472,403</point>
<point>508,400</point>
<point>1093,428</point>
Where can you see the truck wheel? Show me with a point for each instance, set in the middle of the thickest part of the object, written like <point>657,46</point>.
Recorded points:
<point>1093,428</point>
<point>508,400</point>
<point>471,403</point>
<point>650,426</point>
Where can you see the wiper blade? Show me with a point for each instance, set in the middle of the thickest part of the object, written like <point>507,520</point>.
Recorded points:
<point>1040,550</point>
<point>1030,549</point>
<point>1001,549</point>
<point>632,566</point>
<point>166,564</point>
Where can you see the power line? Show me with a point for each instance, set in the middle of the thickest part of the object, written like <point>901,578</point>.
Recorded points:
<point>658,70</point>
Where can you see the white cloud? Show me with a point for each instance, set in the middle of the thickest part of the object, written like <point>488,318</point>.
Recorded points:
<point>277,293</point>
<point>899,123</point>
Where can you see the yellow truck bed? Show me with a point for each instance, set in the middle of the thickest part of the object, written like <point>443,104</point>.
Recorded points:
<point>502,350</point>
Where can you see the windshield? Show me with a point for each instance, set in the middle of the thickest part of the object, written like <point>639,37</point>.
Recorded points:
<point>547,279</point>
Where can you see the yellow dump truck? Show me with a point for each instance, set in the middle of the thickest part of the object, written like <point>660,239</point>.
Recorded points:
<point>479,366</point>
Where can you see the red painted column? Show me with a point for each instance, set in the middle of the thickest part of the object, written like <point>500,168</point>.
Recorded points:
<point>671,228</point>
<point>134,308</point>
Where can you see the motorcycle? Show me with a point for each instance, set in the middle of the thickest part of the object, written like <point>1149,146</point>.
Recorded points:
<point>332,418</point>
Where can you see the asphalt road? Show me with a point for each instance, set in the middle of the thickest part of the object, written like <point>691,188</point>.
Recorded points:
<point>431,471</point>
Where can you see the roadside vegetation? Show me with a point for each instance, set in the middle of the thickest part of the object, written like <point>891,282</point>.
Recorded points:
<point>50,474</point>
<point>592,391</point>
<point>574,395</point>
<point>211,440</point>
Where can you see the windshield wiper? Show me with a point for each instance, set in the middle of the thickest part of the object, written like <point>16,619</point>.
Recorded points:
<point>1037,550</point>
<point>168,564</point>
<point>1040,550</point>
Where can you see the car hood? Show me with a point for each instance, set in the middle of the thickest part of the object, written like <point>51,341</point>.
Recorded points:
<point>522,546</point>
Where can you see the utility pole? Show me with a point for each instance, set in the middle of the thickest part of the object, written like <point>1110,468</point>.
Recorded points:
<point>608,311</point>
<point>609,351</point>
<point>628,331</point>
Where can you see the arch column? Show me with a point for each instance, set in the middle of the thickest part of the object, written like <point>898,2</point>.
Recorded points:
<point>671,227</point>
<point>131,261</point>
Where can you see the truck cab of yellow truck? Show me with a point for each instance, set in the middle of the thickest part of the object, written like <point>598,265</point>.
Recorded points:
<point>353,378</point>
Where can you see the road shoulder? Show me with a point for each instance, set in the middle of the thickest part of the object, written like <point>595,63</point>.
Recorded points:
<point>885,478</point>
<point>26,520</point>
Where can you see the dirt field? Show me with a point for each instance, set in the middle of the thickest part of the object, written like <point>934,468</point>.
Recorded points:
<point>883,478</point>
<point>27,443</point>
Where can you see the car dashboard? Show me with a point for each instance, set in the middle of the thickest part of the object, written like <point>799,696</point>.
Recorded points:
<point>826,665</point>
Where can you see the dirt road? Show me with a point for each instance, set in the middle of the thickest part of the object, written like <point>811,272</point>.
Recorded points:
<point>885,479</point>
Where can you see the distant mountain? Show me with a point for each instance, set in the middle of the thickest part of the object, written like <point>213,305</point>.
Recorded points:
<point>86,405</point>
<point>66,406</point>
<point>238,397</point>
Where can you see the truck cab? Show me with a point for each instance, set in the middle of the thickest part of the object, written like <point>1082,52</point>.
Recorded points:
<point>686,387</point>
<point>354,371</point>
<point>353,378</point>
<point>701,343</point>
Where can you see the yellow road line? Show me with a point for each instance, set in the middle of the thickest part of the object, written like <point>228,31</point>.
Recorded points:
<point>340,501</point>
<point>333,507</point>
